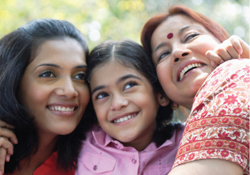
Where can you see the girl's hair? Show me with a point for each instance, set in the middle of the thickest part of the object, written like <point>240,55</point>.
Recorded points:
<point>17,50</point>
<point>150,26</point>
<point>132,55</point>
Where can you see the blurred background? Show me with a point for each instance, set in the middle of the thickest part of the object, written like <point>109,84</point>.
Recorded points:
<point>100,20</point>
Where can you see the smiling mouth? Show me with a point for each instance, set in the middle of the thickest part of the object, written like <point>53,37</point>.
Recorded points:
<point>188,68</point>
<point>123,119</point>
<point>62,109</point>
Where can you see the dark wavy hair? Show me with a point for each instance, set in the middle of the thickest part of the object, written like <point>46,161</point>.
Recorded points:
<point>132,55</point>
<point>17,50</point>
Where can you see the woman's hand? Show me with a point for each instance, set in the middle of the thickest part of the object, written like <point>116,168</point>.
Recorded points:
<point>7,139</point>
<point>232,48</point>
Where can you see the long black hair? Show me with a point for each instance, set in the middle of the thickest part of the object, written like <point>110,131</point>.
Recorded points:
<point>17,50</point>
<point>132,55</point>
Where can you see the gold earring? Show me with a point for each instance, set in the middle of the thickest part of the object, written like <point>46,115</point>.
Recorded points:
<point>174,106</point>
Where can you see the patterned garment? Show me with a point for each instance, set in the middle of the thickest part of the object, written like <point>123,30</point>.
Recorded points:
<point>218,125</point>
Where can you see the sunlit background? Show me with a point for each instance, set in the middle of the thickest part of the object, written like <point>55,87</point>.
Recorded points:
<point>99,20</point>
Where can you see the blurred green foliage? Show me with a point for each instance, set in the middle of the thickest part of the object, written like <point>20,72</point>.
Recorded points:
<point>100,20</point>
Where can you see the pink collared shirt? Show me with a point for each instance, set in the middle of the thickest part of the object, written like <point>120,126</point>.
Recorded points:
<point>101,154</point>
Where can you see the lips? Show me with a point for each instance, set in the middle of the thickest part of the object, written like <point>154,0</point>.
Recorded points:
<point>186,67</point>
<point>124,118</point>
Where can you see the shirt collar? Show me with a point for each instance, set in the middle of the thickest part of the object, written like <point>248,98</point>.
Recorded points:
<point>105,140</point>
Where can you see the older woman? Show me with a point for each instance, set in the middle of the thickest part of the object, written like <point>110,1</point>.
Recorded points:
<point>180,44</point>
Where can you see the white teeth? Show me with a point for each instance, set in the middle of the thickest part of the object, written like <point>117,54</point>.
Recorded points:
<point>185,69</point>
<point>59,108</point>
<point>124,118</point>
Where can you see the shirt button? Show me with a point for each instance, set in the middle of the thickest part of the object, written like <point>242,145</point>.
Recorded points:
<point>95,167</point>
<point>134,161</point>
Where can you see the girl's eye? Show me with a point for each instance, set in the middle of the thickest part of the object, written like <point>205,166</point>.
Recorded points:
<point>130,85</point>
<point>80,76</point>
<point>164,54</point>
<point>191,36</point>
<point>47,74</point>
<point>101,95</point>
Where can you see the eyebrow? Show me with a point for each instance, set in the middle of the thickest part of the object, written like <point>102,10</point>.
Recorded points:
<point>117,82</point>
<point>183,29</point>
<point>56,66</point>
<point>164,43</point>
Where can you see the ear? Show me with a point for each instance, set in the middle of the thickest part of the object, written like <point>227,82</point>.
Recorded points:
<point>162,99</point>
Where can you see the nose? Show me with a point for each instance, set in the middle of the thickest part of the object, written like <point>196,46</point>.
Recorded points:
<point>66,88</point>
<point>180,53</point>
<point>118,102</point>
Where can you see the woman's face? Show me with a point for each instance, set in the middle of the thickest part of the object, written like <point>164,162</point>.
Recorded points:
<point>53,86</point>
<point>179,46</point>
<point>125,103</point>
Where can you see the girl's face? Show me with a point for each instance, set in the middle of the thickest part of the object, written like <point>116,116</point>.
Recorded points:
<point>125,103</point>
<point>53,86</point>
<point>179,48</point>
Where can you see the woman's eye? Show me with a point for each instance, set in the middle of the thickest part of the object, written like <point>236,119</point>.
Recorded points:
<point>101,95</point>
<point>191,36</point>
<point>130,85</point>
<point>80,76</point>
<point>164,54</point>
<point>47,74</point>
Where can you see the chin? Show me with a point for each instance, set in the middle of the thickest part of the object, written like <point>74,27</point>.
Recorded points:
<point>65,130</point>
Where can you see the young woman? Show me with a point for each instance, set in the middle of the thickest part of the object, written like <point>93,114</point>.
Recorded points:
<point>181,42</point>
<point>44,95</point>
<point>135,133</point>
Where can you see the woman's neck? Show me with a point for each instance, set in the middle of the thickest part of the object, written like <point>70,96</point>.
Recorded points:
<point>45,149</point>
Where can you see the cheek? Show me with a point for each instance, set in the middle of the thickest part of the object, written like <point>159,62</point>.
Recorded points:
<point>205,44</point>
<point>84,94</point>
<point>32,95</point>
<point>163,71</point>
<point>100,112</point>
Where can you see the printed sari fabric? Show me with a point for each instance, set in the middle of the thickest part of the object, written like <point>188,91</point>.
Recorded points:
<point>218,125</point>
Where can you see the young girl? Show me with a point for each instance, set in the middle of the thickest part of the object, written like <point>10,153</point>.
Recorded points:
<point>135,134</point>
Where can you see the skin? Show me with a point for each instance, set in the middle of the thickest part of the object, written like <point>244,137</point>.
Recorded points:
<point>188,45</point>
<point>127,92</point>
<point>55,78</point>
<point>194,44</point>
<point>191,43</point>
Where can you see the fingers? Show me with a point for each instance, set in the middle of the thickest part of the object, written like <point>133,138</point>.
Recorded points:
<point>5,125</point>
<point>6,144</point>
<point>229,49</point>
<point>215,59</point>
<point>6,150</point>
<point>5,132</point>
<point>3,157</point>
<point>7,139</point>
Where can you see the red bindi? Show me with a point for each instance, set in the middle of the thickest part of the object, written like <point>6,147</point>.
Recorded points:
<point>170,35</point>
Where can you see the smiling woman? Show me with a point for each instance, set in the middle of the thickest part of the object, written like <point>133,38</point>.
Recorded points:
<point>219,99</point>
<point>45,94</point>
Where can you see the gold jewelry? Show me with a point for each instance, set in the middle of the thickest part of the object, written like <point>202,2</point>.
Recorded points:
<point>174,106</point>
